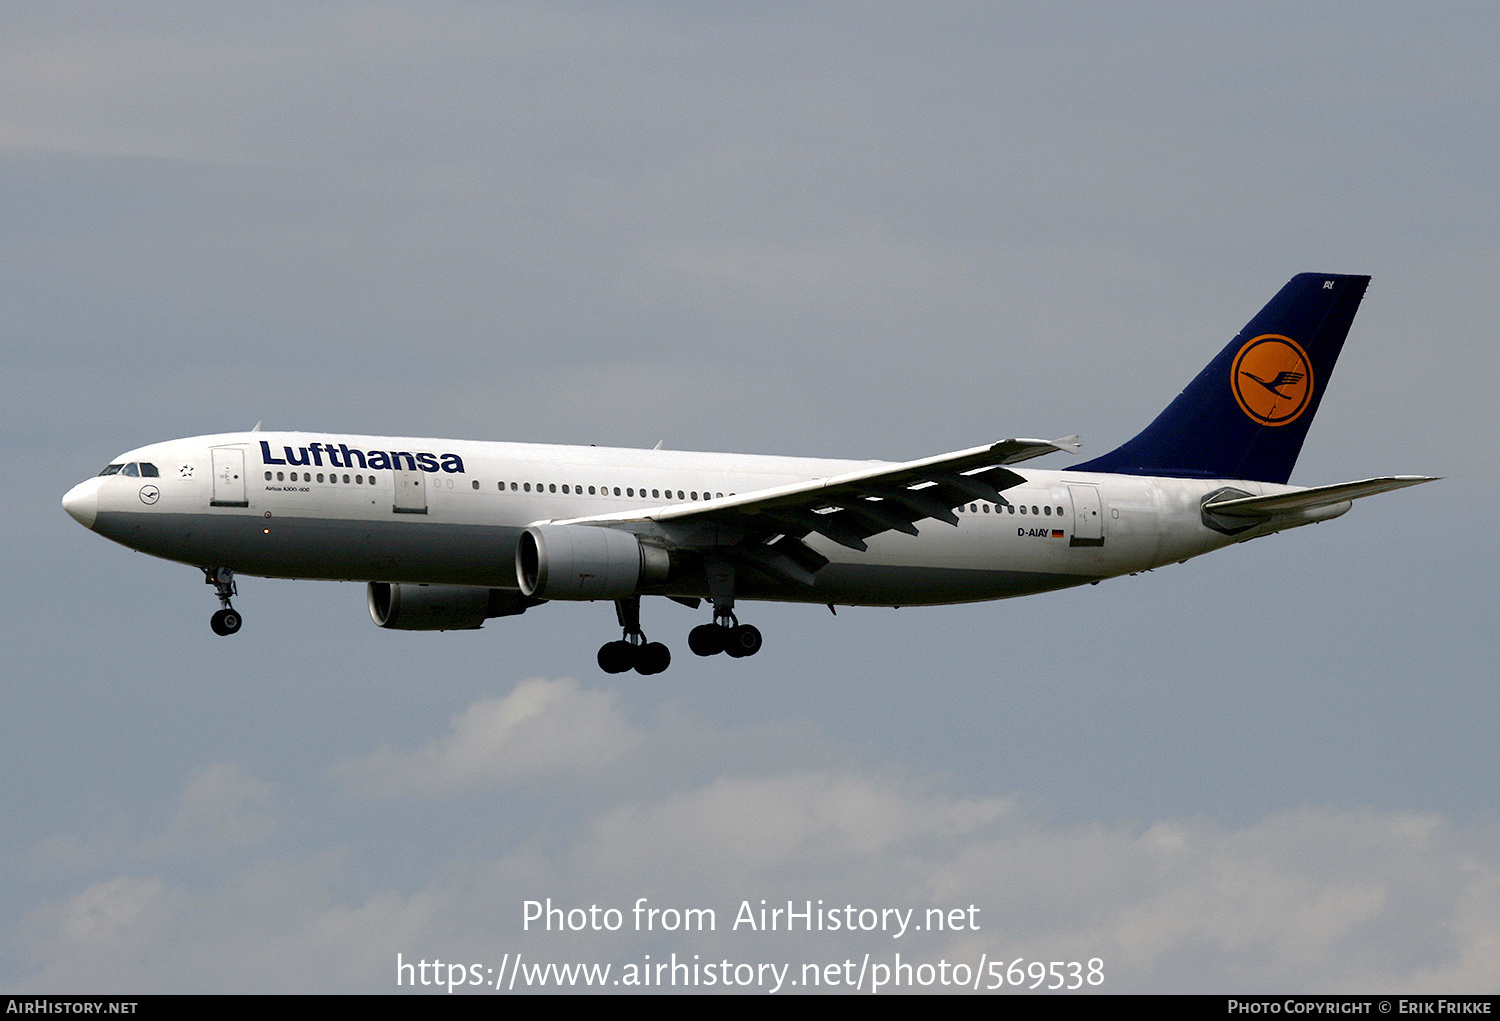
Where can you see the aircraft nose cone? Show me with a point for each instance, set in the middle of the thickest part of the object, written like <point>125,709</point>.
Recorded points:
<point>82,502</point>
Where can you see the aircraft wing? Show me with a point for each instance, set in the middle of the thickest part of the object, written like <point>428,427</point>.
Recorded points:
<point>1307,499</point>
<point>767,526</point>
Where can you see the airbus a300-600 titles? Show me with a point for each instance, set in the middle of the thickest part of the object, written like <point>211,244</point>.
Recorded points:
<point>450,533</point>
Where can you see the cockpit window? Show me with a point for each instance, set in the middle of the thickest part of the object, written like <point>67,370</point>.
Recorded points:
<point>135,469</point>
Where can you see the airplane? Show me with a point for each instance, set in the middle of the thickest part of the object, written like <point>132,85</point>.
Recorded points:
<point>450,533</point>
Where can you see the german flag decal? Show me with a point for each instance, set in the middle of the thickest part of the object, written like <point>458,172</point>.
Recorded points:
<point>1272,379</point>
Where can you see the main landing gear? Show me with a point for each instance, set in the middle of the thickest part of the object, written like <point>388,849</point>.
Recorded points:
<point>226,621</point>
<point>633,651</point>
<point>726,633</point>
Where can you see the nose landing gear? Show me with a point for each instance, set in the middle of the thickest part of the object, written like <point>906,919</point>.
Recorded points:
<point>226,621</point>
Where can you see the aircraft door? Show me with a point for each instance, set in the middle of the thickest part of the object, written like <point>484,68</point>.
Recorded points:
<point>1088,516</point>
<point>229,477</point>
<point>411,492</point>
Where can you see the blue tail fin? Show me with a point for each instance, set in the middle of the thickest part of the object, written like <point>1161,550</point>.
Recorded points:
<point>1246,414</point>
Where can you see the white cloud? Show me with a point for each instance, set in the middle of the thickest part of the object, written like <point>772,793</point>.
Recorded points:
<point>1305,900</point>
<point>220,809</point>
<point>543,732</point>
<point>560,735</point>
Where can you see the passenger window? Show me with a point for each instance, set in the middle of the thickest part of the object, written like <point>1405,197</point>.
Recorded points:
<point>629,491</point>
<point>591,491</point>
<point>476,481</point>
<point>552,488</point>
<point>320,476</point>
<point>268,476</point>
<point>617,490</point>
<point>527,487</point>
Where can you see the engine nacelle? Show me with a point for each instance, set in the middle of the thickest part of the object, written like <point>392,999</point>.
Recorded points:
<point>409,607</point>
<point>586,562</point>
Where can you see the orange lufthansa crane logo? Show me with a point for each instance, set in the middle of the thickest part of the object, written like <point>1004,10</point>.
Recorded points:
<point>1272,379</point>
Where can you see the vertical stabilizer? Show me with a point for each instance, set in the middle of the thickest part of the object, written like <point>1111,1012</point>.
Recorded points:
<point>1245,415</point>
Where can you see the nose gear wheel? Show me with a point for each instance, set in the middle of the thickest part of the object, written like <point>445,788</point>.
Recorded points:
<point>227,620</point>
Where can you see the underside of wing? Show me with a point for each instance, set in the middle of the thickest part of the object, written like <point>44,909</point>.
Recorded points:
<point>767,528</point>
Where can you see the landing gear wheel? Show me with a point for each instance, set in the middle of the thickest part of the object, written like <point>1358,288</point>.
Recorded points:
<point>633,651</point>
<point>707,639</point>
<point>742,640</point>
<point>652,658</point>
<point>617,657</point>
<point>227,620</point>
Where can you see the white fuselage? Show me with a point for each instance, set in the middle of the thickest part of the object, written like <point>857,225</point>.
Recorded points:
<point>364,508</point>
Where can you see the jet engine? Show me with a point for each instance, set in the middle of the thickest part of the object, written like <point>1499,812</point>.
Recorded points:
<point>586,562</point>
<point>408,607</point>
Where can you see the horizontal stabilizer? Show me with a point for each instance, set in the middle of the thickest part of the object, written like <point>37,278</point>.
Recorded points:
<point>1307,499</point>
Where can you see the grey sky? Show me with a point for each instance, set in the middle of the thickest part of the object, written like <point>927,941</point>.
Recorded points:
<point>852,230</point>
